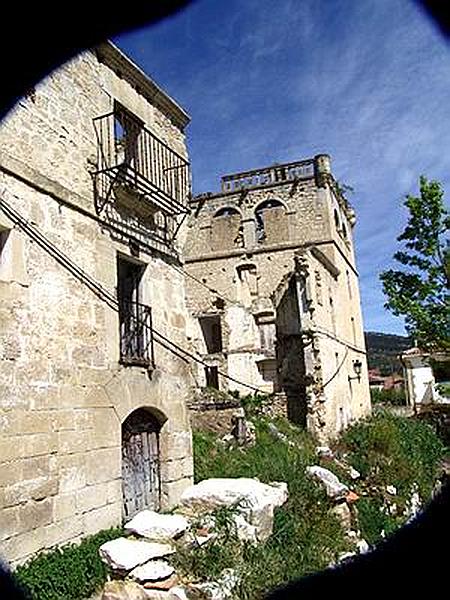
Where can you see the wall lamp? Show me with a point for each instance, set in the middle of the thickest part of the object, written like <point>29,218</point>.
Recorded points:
<point>357,367</point>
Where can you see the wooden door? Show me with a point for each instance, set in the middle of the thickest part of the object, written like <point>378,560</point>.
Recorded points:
<point>140,463</point>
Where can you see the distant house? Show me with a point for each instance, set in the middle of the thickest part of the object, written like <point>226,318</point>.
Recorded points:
<point>421,385</point>
<point>385,382</point>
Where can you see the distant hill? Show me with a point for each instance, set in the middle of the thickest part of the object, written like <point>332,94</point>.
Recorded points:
<point>383,349</point>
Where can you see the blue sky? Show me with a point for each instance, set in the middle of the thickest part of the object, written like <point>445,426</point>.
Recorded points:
<point>366,81</point>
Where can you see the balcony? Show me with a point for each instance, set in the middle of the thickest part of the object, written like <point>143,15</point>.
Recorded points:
<point>136,334</point>
<point>136,167</point>
<point>286,173</point>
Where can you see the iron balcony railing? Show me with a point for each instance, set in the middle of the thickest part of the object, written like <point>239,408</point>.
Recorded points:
<point>130,155</point>
<point>136,334</point>
<point>302,169</point>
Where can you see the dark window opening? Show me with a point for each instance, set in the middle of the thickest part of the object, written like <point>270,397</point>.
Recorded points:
<point>3,239</point>
<point>212,377</point>
<point>127,128</point>
<point>336,219</point>
<point>135,319</point>
<point>212,333</point>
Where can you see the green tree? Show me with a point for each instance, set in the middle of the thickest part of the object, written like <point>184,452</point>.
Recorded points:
<point>419,291</point>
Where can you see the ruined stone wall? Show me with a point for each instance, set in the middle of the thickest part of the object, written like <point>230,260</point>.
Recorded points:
<point>313,219</point>
<point>63,394</point>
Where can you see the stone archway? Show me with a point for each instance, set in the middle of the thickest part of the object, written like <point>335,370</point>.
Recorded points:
<point>141,479</point>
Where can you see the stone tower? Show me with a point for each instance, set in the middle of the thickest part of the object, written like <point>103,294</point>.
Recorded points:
<point>273,292</point>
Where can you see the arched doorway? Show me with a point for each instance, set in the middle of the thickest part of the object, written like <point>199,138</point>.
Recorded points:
<point>141,486</point>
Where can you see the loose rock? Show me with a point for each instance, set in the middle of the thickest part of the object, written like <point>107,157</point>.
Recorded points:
<point>333,487</point>
<point>123,590</point>
<point>165,584</point>
<point>156,526</point>
<point>152,571</point>
<point>123,554</point>
<point>253,499</point>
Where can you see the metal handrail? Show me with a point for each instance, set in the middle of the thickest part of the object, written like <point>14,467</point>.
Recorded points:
<point>135,157</point>
<point>136,333</point>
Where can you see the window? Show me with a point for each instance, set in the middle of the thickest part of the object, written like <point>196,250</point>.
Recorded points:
<point>212,333</point>
<point>5,256</point>
<point>264,231</point>
<point>336,219</point>
<point>247,283</point>
<point>227,231</point>
<point>4,233</point>
<point>127,128</point>
<point>212,377</point>
<point>136,340</point>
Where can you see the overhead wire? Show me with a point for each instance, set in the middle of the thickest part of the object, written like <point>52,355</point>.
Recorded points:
<point>97,288</point>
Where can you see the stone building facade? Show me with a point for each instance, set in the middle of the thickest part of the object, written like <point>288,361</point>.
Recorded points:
<point>94,183</point>
<point>273,293</point>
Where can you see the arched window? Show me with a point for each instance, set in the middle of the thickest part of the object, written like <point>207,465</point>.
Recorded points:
<point>226,229</point>
<point>270,220</point>
<point>226,211</point>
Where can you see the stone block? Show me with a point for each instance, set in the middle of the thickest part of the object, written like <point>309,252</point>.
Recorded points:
<point>103,465</point>
<point>65,506</point>
<point>9,522</point>
<point>103,518</point>
<point>92,496</point>
<point>70,442</point>
<point>35,514</point>
<point>35,467</point>
<point>39,444</point>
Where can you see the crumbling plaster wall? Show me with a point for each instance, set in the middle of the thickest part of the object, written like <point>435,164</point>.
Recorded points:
<point>63,395</point>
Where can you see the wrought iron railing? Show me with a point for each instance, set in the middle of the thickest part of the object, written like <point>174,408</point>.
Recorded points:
<point>131,156</point>
<point>136,334</point>
<point>269,175</point>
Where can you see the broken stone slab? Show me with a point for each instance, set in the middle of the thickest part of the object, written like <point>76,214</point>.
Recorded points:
<point>123,590</point>
<point>152,571</point>
<point>333,487</point>
<point>123,554</point>
<point>165,584</point>
<point>392,490</point>
<point>156,526</point>
<point>251,498</point>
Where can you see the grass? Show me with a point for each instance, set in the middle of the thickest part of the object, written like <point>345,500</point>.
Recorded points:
<point>72,572</point>
<point>386,449</point>
<point>306,536</point>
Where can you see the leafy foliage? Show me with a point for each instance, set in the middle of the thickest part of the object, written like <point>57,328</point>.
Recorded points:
<point>69,573</point>
<point>419,292</point>
<point>390,450</point>
<point>392,396</point>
